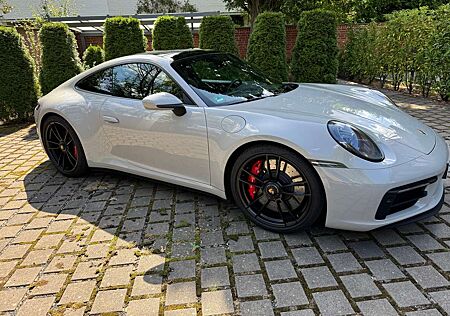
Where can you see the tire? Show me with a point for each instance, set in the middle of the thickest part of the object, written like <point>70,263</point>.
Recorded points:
<point>269,196</point>
<point>70,159</point>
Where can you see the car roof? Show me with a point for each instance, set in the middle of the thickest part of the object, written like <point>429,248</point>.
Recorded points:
<point>177,54</point>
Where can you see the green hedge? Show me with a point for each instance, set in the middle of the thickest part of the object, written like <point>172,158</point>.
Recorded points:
<point>217,32</point>
<point>267,46</point>
<point>170,32</point>
<point>410,50</point>
<point>60,60</point>
<point>93,56</point>
<point>18,85</point>
<point>314,58</point>
<point>122,37</point>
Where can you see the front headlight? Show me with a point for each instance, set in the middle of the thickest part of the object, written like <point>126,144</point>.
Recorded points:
<point>355,141</point>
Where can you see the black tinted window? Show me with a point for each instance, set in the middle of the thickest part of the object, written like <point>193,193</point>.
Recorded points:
<point>133,80</point>
<point>100,82</point>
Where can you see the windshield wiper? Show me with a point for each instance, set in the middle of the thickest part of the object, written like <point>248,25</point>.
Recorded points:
<point>253,99</point>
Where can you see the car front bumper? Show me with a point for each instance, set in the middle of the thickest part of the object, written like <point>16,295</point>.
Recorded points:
<point>354,196</point>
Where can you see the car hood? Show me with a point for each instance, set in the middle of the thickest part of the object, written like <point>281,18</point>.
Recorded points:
<point>368,109</point>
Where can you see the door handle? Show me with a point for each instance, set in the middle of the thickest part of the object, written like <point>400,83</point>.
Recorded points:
<point>110,119</point>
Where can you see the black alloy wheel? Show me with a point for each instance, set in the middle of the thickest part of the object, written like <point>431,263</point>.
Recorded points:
<point>277,189</point>
<point>63,147</point>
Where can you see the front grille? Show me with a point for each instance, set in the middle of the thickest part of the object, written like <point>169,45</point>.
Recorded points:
<point>401,198</point>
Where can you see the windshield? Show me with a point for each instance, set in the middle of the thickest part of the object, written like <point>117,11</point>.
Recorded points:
<point>223,79</point>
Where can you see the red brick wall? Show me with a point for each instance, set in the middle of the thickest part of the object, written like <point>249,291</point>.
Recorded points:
<point>242,36</point>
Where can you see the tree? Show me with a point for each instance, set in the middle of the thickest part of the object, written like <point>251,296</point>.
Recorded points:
<point>4,7</point>
<point>267,46</point>
<point>253,7</point>
<point>170,32</point>
<point>54,8</point>
<point>19,88</point>
<point>164,6</point>
<point>217,32</point>
<point>93,56</point>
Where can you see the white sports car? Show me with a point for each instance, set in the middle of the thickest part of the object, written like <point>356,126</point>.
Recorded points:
<point>288,154</point>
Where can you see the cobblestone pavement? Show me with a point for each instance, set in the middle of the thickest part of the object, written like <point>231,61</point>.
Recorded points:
<point>117,244</point>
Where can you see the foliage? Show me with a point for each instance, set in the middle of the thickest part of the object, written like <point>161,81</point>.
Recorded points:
<point>93,56</point>
<point>56,8</point>
<point>164,6</point>
<point>5,7</point>
<point>60,60</point>
<point>217,32</point>
<point>344,9</point>
<point>253,7</point>
<point>314,58</point>
<point>411,48</point>
<point>267,46</point>
<point>19,88</point>
<point>122,37</point>
<point>171,32</point>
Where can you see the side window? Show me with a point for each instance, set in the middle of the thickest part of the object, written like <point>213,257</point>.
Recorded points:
<point>164,83</point>
<point>133,80</point>
<point>100,82</point>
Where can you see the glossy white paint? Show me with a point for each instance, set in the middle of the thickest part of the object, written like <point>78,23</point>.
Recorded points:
<point>193,150</point>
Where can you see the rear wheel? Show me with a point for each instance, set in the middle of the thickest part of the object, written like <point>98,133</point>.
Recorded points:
<point>277,189</point>
<point>63,147</point>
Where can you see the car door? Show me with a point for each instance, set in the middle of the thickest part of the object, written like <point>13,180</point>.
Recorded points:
<point>156,140</point>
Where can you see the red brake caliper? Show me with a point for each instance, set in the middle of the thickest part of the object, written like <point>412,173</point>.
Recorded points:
<point>75,152</point>
<point>256,169</point>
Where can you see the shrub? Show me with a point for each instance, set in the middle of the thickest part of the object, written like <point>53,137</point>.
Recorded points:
<point>217,32</point>
<point>122,37</point>
<point>60,60</point>
<point>93,56</point>
<point>18,85</point>
<point>314,58</point>
<point>170,32</point>
<point>267,46</point>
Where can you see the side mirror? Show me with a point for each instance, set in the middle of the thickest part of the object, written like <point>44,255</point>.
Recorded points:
<point>164,101</point>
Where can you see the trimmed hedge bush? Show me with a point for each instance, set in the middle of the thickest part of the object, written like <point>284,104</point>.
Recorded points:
<point>267,46</point>
<point>314,58</point>
<point>170,32</point>
<point>18,85</point>
<point>93,56</point>
<point>122,37</point>
<point>217,32</point>
<point>60,60</point>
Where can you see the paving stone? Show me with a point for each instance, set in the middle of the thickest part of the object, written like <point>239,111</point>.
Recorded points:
<point>245,263</point>
<point>151,263</point>
<point>344,262</point>
<point>48,284</point>
<point>367,249</point>
<point>217,302</point>
<point>6,268</point>
<point>405,294</point>
<point>97,251</point>
<point>264,308</point>
<point>79,292</point>
<point>213,238</point>
<point>263,234</point>
<point>24,276</point>
<point>213,255</point>
<point>181,312</point>
<point>384,270</point>
<point>37,257</point>
<point>123,256</point>
<point>289,294</point>
<point>425,312</point>
<point>182,269</point>
<point>376,308</point>
<point>439,230</point>
<point>148,306</point>
<point>428,277</point>
<point>28,236</point>
<point>87,270</point>
<point>298,239</point>
<point>250,285</point>
<point>181,293</point>
<point>10,298</point>
<point>243,243</point>
<point>183,234</point>
<point>14,252</point>
<point>280,269</point>
<point>182,250</point>
<point>272,249</point>
<point>38,306</point>
<point>116,276</point>
<point>306,256</point>
<point>304,312</point>
<point>109,301</point>
<point>49,241</point>
<point>215,277</point>
<point>442,298</point>
<point>330,243</point>
<point>425,242</point>
<point>388,237</point>
<point>147,284</point>
<point>236,228</point>
<point>441,259</point>
<point>332,303</point>
<point>405,255</point>
<point>360,285</point>
<point>318,277</point>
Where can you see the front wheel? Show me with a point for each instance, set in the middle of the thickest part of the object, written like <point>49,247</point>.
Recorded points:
<point>63,147</point>
<point>277,189</point>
